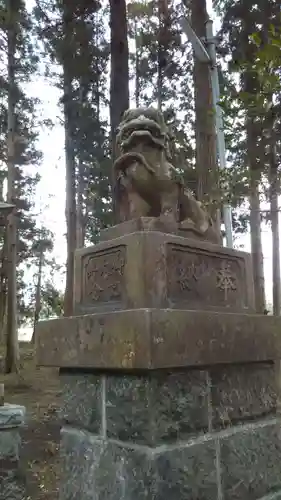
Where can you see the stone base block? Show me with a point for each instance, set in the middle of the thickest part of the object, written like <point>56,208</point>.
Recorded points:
<point>158,408</point>
<point>157,338</point>
<point>12,480</point>
<point>152,269</point>
<point>150,224</point>
<point>209,433</point>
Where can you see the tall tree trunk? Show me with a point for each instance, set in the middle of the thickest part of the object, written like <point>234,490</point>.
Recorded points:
<point>3,289</point>
<point>161,53</point>
<point>255,218</point>
<point>274,184</point>
<point>70,208</point>
<point>119,77</point>
<point>12,353</point>
<point>80,219</point>
<point>37,308</point>
<point>250,85</point>
<point>164,40</point>
<point>3,276</point>
<point>206,157</point>
<point>137,67</point>
<point>256,244</point>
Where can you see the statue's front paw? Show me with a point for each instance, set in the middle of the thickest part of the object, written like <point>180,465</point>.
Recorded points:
<point>187,224</point>
<point>168,219</point>
<point>139,173</point>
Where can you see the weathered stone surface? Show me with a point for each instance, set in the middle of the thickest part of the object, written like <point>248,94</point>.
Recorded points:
<point>11,416</point>
<point>207,277</point>
<point>82,401</point>
<point>128,408</point>
<point>195,338</point>
<point>107,340</point>
<point>9,444</point>
<point>95,468</point>
<point>157,338</point>
<point>2,364</point>
<point>148,224</point>
<point>274,496</point>
<point>243,392</point>
<point>110,275</point>
<point>152,269</point>
<point>102,279</point>
<point>157,408</point>
<point>251,463</point>
<point>181,404</point>
<point>12,483</point>
<point>188,473</point>
<point>136,225</point>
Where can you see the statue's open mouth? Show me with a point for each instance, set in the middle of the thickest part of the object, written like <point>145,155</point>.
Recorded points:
<point>140,128</point>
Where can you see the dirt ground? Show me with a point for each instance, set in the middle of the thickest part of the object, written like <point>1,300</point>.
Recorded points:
<point>38,390</point>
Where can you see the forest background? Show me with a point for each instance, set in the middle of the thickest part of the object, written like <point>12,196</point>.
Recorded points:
<point>64,80</point>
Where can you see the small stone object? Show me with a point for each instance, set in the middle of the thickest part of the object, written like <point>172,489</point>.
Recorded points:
<point>11,416</point>
<point>2,394</point>
<point>12,484</point>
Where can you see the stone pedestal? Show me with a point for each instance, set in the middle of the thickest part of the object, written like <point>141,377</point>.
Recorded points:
<point>154,269</point>
<point>170,380</point>
<point>12,482</point>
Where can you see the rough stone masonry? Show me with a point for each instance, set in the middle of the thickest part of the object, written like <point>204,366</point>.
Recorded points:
<point>170,379</point>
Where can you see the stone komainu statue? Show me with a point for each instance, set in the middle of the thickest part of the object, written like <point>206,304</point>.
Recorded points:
<point>148,184</point>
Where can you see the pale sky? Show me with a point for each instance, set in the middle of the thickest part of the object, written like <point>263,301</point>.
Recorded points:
<point>52,181</point>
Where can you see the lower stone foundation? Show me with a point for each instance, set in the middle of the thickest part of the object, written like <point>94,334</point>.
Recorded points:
<point>198,434</point>
<point>243,463</point>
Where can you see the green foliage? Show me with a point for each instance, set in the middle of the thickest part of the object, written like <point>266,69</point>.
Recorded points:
<point>40,260</point>
<point>160,69</point>
<point>74,42</point>
<point>267,63</point>
<point>80,47</point>
<point>52,301</point>
<point>250,41</point>
<point>27,157</point>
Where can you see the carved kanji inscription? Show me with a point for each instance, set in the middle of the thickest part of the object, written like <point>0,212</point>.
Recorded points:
<point>103,274</point>
<point>196,275</point>
<point>226,279</point>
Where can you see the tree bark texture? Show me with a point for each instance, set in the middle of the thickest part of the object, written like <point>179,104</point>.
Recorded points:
<point>119,77</point>
<point>206,152</point>
<point>255,218</point>
<point>250,85</point>
<point>81,185</point>
<point>37,308</point>
<point>70,208</point>
<point>12,351</point>
<point>274,211</point>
